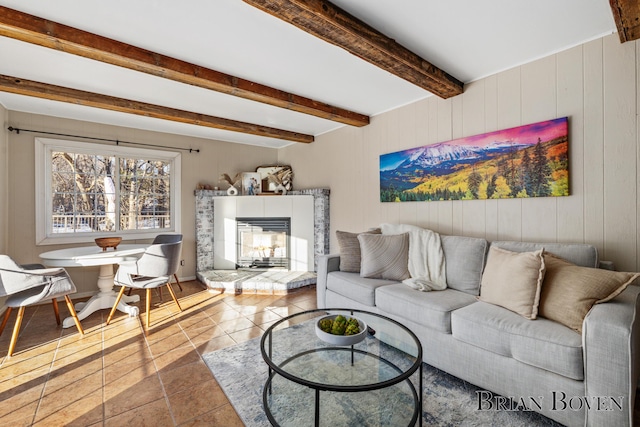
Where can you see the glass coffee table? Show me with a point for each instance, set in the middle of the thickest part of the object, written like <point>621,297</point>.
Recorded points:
<point>312,382</point>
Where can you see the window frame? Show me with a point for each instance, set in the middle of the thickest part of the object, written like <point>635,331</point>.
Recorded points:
<point>44,147</point>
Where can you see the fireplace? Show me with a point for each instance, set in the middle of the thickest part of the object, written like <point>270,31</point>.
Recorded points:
<point>263,242</point>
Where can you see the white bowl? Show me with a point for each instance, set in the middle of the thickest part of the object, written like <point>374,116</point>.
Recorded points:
<point>341,339</point>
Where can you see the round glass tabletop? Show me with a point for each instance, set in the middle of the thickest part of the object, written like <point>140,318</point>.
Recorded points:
<point>386,359</point>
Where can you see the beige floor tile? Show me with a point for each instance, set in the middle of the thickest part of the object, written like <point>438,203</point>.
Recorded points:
<point>185,377</point>
<point>173,359</point>
<point>126,395</point>
<point>199,335</point>
<point>78,405</point>
<point>246,334</point>
<point>231,326</point>
<point>223,416</point>
<point>214,344</point>
<point>171,343</point>
<point>153,414</point>
<point>197,401</point>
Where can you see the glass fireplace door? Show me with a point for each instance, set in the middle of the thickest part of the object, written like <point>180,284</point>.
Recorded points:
<point>263,242</point>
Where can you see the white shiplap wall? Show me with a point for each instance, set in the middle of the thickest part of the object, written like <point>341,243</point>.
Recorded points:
<point>595,85</point>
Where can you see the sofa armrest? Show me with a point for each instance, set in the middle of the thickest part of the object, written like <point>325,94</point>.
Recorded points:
<point>611,341</point>
<point>326,264</point>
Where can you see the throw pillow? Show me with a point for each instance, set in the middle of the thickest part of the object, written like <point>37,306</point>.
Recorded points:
<point>569,291</point>
<point>384,256</point>
<point>512,280</point>
<point>350,250</point>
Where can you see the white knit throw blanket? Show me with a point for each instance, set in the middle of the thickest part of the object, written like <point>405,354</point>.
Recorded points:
<point>426,257</point>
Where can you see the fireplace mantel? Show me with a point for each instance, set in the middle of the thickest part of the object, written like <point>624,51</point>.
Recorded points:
<point>205,217</point>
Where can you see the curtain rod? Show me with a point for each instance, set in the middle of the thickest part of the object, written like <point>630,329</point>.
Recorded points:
<point>117,141</point>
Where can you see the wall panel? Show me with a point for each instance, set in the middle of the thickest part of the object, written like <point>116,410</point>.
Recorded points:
<point>594,84</point>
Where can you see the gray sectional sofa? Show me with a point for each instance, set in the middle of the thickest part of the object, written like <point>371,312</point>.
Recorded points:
<point>575,379</point>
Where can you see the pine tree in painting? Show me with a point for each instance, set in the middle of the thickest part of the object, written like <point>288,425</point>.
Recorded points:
<point>541,171</point>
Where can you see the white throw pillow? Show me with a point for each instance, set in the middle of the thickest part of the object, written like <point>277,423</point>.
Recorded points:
<point>513,280</point>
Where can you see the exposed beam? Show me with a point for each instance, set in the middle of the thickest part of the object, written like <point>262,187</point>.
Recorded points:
<point>39,31</point>
<point>336,26</point>
<point>89,99</point>
<point>626,14</point>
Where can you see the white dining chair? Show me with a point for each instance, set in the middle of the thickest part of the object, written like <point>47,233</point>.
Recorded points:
<point>153,270</point>
<point>27,286</point>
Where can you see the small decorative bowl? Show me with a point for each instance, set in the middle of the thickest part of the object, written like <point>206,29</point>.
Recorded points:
<point>341,339</point>
<point>108,242</point>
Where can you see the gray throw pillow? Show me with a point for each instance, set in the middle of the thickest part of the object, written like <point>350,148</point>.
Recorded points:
<point>350,250</point>
<point>384,256</point>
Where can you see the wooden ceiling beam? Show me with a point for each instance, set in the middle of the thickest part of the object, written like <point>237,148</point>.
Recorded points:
<point>336,26</point>
<point>39,31</point>
<point>626,14</point>
<point>73,96</point>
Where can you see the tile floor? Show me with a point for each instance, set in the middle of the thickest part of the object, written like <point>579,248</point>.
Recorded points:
<point>119,375</point>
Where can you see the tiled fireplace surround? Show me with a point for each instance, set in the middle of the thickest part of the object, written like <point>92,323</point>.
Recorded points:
<point>270,281</point>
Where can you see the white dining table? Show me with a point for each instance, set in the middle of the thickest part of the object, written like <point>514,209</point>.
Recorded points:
<point>88,256</point>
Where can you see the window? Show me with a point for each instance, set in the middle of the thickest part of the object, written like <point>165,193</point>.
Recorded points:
<point>89,190</point>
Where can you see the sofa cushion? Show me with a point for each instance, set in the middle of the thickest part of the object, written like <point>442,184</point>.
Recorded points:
<point>350,250</point>
<point>384,256</point>
<point>569,291</point>
<point>577,253</point>
<point>431,309</point>
<point>354,287</point>
<point>542,343</point>
<point>464,258</point>
<point>513,280</point>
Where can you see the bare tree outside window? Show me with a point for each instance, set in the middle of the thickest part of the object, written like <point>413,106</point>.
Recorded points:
<point>84,196</point>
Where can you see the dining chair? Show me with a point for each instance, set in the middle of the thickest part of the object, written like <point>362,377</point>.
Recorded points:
<point>169,238</point>
<point>166,238</point>
<point>154,269</point>
<point>31,285</point>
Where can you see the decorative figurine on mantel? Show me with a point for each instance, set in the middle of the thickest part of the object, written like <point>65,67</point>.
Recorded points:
<point>282,179</point>
<point>232,190</point>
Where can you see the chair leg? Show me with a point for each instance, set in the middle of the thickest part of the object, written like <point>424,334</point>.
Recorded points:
<point>16,331</point>
<point>177,281</point>
<point>173,295</point>
<point>74,314</point>
<point>56,310</point>
<point>148,303</point>
<point>113,309</point>
<point>5,319</point>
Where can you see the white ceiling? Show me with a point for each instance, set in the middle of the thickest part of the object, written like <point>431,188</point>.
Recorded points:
<point>469,39</point>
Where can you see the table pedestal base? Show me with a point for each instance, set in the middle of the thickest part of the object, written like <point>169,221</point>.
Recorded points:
<point>100,301</point>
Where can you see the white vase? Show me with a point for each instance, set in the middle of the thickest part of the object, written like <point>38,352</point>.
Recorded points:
<point>280,189</point>
<point>232,191</point>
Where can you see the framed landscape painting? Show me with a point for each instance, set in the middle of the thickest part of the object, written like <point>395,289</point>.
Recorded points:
<point>525,161</point>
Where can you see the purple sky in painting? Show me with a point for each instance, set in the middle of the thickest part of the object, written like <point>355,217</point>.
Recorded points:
<point>527,134</point>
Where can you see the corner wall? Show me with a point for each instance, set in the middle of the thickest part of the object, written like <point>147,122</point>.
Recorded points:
<point>594,84</point>
<point>215,158</point>
<point>4,179</point>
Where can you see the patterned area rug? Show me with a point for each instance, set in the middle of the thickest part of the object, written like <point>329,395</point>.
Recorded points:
<point>447,401</point>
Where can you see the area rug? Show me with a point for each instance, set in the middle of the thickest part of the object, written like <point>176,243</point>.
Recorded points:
<point>447,400</point>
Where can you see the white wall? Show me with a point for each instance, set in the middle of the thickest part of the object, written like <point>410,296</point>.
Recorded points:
<point>4,182</point>
<point>215,157</point>
<point>594,84</point>
<point>4,179</point>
